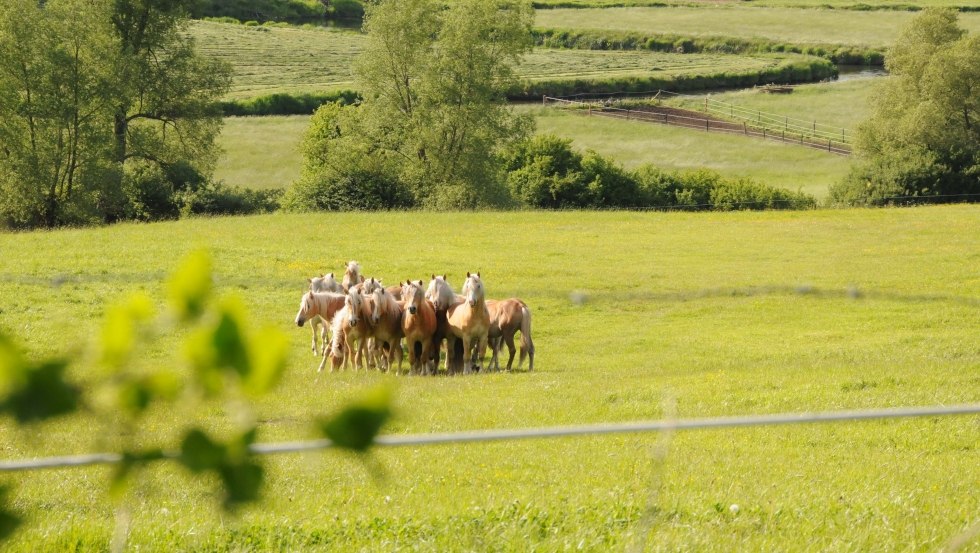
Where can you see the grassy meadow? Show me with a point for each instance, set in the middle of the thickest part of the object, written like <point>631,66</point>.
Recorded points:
<point>263,152</point>
<point>861,5</point>
<point>790,25</point>
<point>719,314</point>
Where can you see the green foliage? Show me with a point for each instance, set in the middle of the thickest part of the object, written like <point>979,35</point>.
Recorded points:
<point>922,140</point>
<point>8,521</point>
<point>287,104</point>
<point>545,172</point>
<point>231,461</point>
<point>357,424</point>
<point>261,10</point>
<point>32,391</point>
<point>433,116</point>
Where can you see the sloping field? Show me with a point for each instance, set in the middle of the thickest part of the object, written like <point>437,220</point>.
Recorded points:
<point>634,143</point>
<point>861,5</point>
<point>715,314</point>
<point>270,60</point>
<point>790,25</point>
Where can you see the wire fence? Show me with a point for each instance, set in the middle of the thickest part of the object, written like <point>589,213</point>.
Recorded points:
<point>494,435</point>
<point>730,119</point>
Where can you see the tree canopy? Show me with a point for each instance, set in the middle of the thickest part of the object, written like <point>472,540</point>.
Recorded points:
<point>92,91</point>
<point>922,141</point>
<point>434,119</point>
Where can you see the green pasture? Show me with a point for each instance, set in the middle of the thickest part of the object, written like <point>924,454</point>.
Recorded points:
<point>261,152</point>
<point>269,60</point>
<point>836,103</point>
<point>675,314</point>
<point>854,5</point>
<point>634,143</point>
<point>790,25</point>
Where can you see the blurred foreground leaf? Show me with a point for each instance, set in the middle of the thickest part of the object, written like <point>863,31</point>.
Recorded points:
<point>119,331</point>
<point>8,521</point>
<point>33,391</point>
<point>190,286</point>
<point>356,426</point>
<point>232,462</point>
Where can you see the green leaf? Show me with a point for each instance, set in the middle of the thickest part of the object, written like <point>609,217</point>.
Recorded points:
<point>199,453</point>
<point>12,367</point>
<point>43,393</point>
<point>356,426</point>
<point>8,521</point>
<point>269,351</point>
<point>136,393</point>
<point>242,482</point>
<point>120,329</point>
<point>190,286</point>
<point>130,460</point>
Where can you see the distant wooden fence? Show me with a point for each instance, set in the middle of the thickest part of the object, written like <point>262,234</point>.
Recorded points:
<point>812,135</point>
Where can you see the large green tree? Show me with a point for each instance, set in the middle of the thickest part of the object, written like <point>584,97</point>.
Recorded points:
<point>88,90</point>
<point>922,140</point>
<point>434,117</point>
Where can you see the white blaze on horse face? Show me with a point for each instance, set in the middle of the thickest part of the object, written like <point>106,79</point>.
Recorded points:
<point>472,290</point>
<point>353,304</point>
<point>304,310</point>
<point>379,296</point>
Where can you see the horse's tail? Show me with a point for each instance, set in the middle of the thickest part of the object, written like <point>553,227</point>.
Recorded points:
<point>527,345</point>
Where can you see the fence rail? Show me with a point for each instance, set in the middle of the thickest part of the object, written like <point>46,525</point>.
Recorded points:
<point>811,136</point>
<point>73,461</point>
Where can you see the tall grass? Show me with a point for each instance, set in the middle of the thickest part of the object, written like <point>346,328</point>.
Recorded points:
<point>698,309</point>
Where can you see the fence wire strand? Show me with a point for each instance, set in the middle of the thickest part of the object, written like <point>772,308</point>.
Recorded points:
<point>495,435</point>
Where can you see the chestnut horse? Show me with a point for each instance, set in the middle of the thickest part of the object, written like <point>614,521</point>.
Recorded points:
<point>352,275</point>
<point>319,308</point>
<point>386,327</point>
<point>350,330</point>
<point>440,294</point>
<point>506,318</point>
<point>419,326</point>
<point>469,322</point>
<point>322,283</point>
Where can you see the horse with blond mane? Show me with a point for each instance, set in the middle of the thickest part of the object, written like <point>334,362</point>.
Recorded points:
<point>469,322</point>
<point>442,297</point>
<point>386,327</point>
<point>352,275</point>
<point>350,331</point>
<point>318,307</point>
<point>318,325</point>
<point>506,318</point>
<point>419,326</point>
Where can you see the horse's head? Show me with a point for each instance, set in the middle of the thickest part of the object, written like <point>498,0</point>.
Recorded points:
<point>379,304</point>
<point>412,295</point>
<point>352,274</point>
<point>370,285</point>
<point>353,303</point>
<point>306,309</point>
<point>324,283</point>
<point>440,293</point>
<point>473,289</point>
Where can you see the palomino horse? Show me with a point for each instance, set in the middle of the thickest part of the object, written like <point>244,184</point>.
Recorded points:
<point>350,331</point>
<point>322,283</point>
<point>419,326</point>
<point>469,322</point>
<point>352,275</point>
<point>440,294</point>
<point>386,327</point>
<point>506,318</point>
<point>319,308</point>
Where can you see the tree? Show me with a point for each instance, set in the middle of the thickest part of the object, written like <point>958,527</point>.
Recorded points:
<point>53,85</point>
<point>433,80</point>
<point>90,87</point>
<point>922,140</point>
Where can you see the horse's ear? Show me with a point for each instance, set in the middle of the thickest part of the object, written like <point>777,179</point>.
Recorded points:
<point>478,274</point>
<point>420,283</point>
<point>433,277</point>
<point>330,275</point>
<point>467,274</point>
<point>444,277</point>
<point>309,280</point>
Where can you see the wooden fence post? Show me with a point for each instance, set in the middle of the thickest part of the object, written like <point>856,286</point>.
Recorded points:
<point>745,127</point>
<point>707,124</point>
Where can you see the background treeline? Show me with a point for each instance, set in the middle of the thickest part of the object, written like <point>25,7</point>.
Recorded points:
<point>545,172</point>
<point>625,40</point>
<point>279,10</point>
<point>857,6</point>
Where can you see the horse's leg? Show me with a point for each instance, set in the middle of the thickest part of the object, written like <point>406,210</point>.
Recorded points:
<point>314,323</point>
<point>481,353</point>
<point>511,349</point>
<point>467,354</point>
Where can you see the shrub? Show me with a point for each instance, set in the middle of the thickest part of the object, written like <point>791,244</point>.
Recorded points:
<point>214,198</point>
<point>357,190</point>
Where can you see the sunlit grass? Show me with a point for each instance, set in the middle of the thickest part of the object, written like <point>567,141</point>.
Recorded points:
<point>790,25</point>
<point>723,314</point>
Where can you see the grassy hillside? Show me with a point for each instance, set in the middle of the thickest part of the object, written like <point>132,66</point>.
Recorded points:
<point>722,314</point>
<point>795,26</point>
<point>269,60</point>
<point>856,5</point>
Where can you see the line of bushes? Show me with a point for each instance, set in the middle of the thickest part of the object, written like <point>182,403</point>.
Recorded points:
<point>294,11</point>
<point>625,40</point>
<point>792,71</point>
<point>545,172</point>
<point>287,104</point>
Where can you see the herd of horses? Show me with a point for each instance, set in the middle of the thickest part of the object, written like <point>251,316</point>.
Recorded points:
<point>368,323</point>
